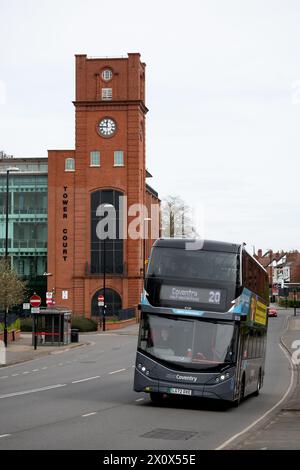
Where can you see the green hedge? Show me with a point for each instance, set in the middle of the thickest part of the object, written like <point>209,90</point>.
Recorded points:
<point>290,303</point>
<point>26,324</point>
<point>13,326</point>
<point>84,324</point>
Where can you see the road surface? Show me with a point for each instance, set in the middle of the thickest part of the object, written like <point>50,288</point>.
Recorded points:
<point>84,399</point>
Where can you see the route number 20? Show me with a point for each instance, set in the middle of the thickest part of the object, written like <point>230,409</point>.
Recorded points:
<point>214,297</point>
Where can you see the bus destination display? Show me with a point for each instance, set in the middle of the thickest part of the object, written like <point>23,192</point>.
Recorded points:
<point>188,294</point>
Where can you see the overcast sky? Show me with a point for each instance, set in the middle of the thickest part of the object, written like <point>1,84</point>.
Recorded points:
<point>223,92</point>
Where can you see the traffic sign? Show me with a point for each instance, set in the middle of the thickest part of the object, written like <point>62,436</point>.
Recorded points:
<point>35,300</point>
<point>49,295</point>
<point>100,300</point>
<point>65,295</point>
<point>26,306</point>
<point>35,309</point>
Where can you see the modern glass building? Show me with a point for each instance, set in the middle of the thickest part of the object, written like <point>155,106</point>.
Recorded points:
<point>27,218</point>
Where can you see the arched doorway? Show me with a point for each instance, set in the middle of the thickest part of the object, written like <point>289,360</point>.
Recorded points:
<point>113,302</point>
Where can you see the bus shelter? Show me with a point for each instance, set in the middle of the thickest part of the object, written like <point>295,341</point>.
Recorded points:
<point>51,327</point>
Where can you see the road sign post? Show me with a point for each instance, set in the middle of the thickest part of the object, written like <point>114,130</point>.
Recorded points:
<point>101,304</point>
<point>35,302</point>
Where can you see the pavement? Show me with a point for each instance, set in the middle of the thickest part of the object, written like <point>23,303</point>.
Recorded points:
<point>23,351</point>
<point>281,430</point>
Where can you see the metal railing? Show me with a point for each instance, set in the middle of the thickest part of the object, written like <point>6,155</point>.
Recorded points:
<point>126,313</point>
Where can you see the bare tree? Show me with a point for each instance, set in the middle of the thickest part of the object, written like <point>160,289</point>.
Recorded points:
<point>12,290</point>
<point>176,218</point>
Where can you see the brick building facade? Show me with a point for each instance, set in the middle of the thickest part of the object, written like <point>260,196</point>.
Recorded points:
<point>108,162</point>
<point>283,269</point>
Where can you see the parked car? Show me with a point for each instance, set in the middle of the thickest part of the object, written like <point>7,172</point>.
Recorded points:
<point>272,312</point>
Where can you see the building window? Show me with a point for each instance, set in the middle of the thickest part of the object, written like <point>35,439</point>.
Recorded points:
<point>95,158</point>
<point>113,244</point>
<point>106,74</point>
<point>106,94</point>
<point>70,164</point>
<point>118,158</point>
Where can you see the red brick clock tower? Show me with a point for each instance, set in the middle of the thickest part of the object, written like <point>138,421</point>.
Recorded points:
<point>108,162</point>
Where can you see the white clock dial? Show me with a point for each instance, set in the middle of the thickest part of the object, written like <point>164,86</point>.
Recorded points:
<point>107,127</point>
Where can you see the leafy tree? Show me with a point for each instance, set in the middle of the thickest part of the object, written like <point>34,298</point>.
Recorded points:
<point>12,289</point>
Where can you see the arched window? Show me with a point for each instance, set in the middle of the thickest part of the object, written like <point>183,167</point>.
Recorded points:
<point>112,300</point>
<point>106,254</point>
<point>70,164</point>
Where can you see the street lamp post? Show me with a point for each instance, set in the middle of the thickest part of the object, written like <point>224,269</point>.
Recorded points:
<point>6,243</point>
<point>106,206</point>
<point>104,275</point>
<point>146,219</point>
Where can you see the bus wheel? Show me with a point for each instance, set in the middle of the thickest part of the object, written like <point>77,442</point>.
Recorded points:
<point>156,397</point>
<point>256,393</point>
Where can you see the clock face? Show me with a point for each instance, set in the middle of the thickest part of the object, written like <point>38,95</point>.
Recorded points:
<point>107,127</point>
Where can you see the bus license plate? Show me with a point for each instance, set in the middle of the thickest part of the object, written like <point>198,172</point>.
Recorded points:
<point>180,391</point>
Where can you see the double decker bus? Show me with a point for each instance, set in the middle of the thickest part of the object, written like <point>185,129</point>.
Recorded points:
<point>204,320</point>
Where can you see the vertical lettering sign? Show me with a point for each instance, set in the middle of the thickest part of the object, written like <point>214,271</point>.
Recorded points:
<point>65,201</point>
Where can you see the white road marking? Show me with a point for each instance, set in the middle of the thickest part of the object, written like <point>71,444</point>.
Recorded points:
<point>140,399</point>
<point>85,380</point>
<point>5,435</point>
<point>61,364</point>
<point>46,367</point>
<point>116,371</point>
<point>35,370</point>
<point>35,390</point>
<point>4,377</point>
<point>89,414</point>
<point>222,446</point>
<point>26,372</point>
<point>15,375</point>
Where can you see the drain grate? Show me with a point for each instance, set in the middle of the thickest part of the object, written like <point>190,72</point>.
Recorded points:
<point>172,434</point>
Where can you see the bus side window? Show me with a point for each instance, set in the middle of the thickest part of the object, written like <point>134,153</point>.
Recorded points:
<point>260,343</point>
<point>251,344</point>
<point>255,343</point>
<point>246,346</point>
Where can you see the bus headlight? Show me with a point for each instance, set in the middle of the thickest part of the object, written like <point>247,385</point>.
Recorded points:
<point>143,369</point>
<point>222,377</point>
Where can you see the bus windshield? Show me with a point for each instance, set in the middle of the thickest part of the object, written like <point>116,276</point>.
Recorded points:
<point>188,344</point>
<point>197,279</point>
<point>194,264</point>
